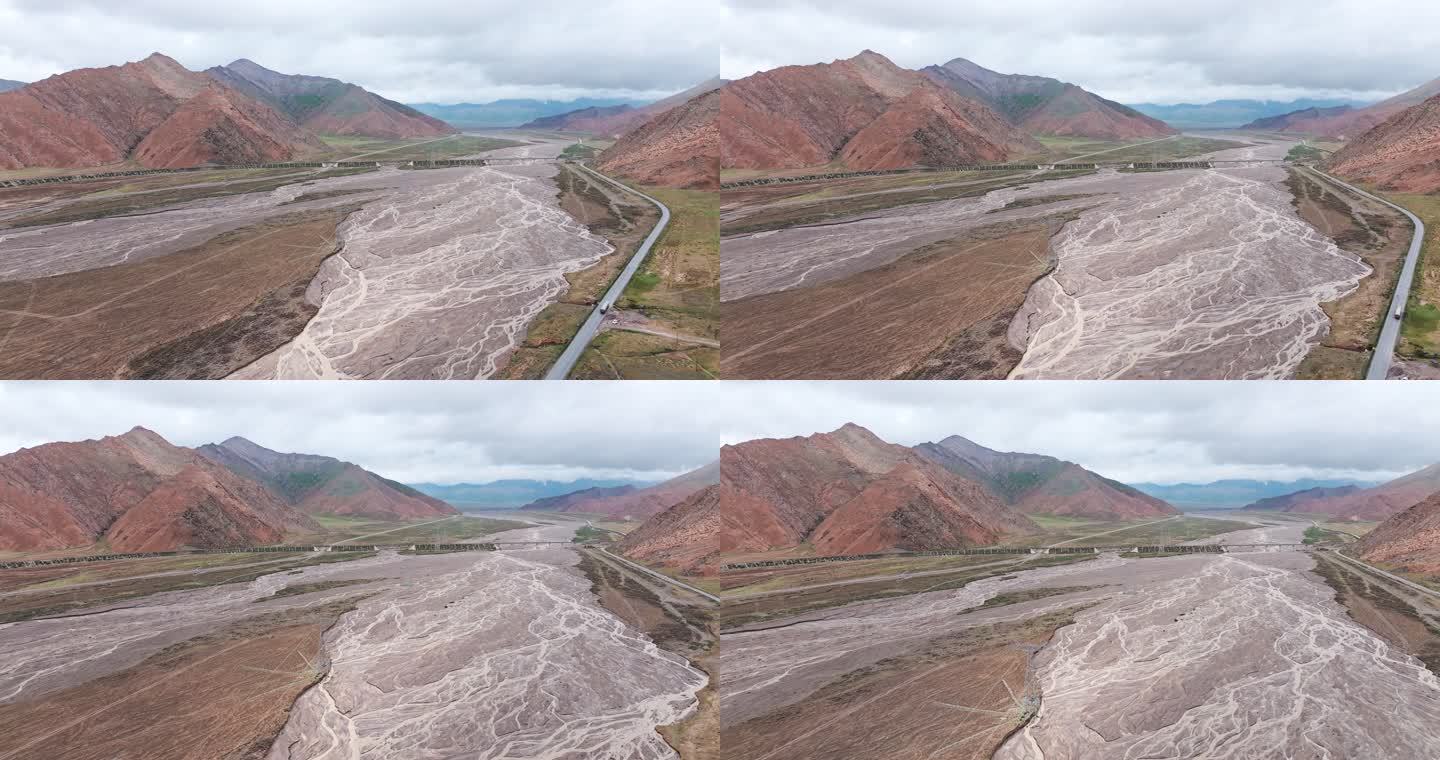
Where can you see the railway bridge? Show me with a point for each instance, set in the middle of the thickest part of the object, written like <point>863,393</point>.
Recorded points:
<point>489,546</point>
<point>400,164</point>
<point>1021,550</point>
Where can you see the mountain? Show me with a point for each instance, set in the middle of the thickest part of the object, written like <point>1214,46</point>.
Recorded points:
<point>329,106</point>
<point>616,121</point>
<point>1229,114</point>
<point>1378,502</point>
<point>864,113</point>
<point>1045,106</point>
<point>508,494</point>
<point>135,492</point>
<point>7,85</point>
<point>512,112</point>
<point>1235,493</point>
<point>577,499</point>
<point>584,119</point>
<point>1410,539</point>
<point>1300,501</point>
<point>1039,484</point>
<point>324,485</point>
<point>1402,153</point>
<point>683,537</point>
<point>155,112</point>
<point>1297,120</point>
<point>678,148</point>
<point>849,492</point>
<point>629,502</point>
<point>1353,122</point>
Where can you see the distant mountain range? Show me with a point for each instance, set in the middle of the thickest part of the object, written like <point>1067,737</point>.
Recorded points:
<point>1233,494</point>
<point>9,84</point>
<point>631,502</point>
<point>1348,123</point>
<point>512,494</point>
<point>1230,114</point>
<point>1374,503</point>
<point>514,113</point>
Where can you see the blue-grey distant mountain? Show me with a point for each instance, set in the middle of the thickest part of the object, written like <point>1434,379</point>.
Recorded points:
<point>1233,494</point>
<point>1227,114</point>
<point>506,494</point>
<point>7,85</point>
<point>512,113</point>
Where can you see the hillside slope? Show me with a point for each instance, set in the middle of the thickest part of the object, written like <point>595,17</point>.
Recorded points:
<point>863,112</point>
<point>1402,153</point>
<point>1299,501</point>
<point>1410,539</point>
<point>330,106</point>
<point>684,537</point>
<point>1039,484</point>
<point>847,492</point>
<point>678,148</point>
<point>324,485</point>
<point>1045,106</point>
<point>155,112</point>
<point>136,492</point>
<point>618,120</point>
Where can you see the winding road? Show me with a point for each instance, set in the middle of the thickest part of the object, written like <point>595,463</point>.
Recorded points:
<point>1390,330</point>
<point>571,355</point>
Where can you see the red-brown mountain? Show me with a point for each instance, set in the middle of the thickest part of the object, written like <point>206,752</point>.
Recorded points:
<point>1410,539</point>
<point>329,106</point>
<point>577,499</point>
<point>155,112</point>
<point>684,537</point>
<point>136,492</point>
<point>678,148</point>
<point>630,502</point>
<point>615,121</point>
<point>849,492</point>
<point>1039,484</point>
<point>1299,501</point>
<point>1347,122</point>
<point>864,112</point>
<point>1379,502</point>
<point>324,485</point>
<point>1045,106</point>
<point>1402,153</point>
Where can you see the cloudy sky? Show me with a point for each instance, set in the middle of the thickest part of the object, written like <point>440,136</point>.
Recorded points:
<point>414,51</point>
<point>1165,432</point>
<point>413,432</point>
<point>1165,52</point>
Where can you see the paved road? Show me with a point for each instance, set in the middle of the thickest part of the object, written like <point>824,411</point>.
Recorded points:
<point>1390,331</point>
<point>1430,592</point>
<point>659,576</point>
<point>572,352</point>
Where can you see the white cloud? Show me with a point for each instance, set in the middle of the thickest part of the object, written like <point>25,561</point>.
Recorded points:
<point>410,431</point>
<point>1126,51</point>
<point>419,50</point>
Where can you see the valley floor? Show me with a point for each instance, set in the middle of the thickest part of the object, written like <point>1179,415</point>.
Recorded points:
<point>488,654</point>
<point>356,273</point>
<point>1068,274</point>
<point>1260,654</point>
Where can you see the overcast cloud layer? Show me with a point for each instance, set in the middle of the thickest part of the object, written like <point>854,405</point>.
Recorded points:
<point>1166,432</point>
<point>408,431</point>
<point>414,51</point>
<point>1163,52</point>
